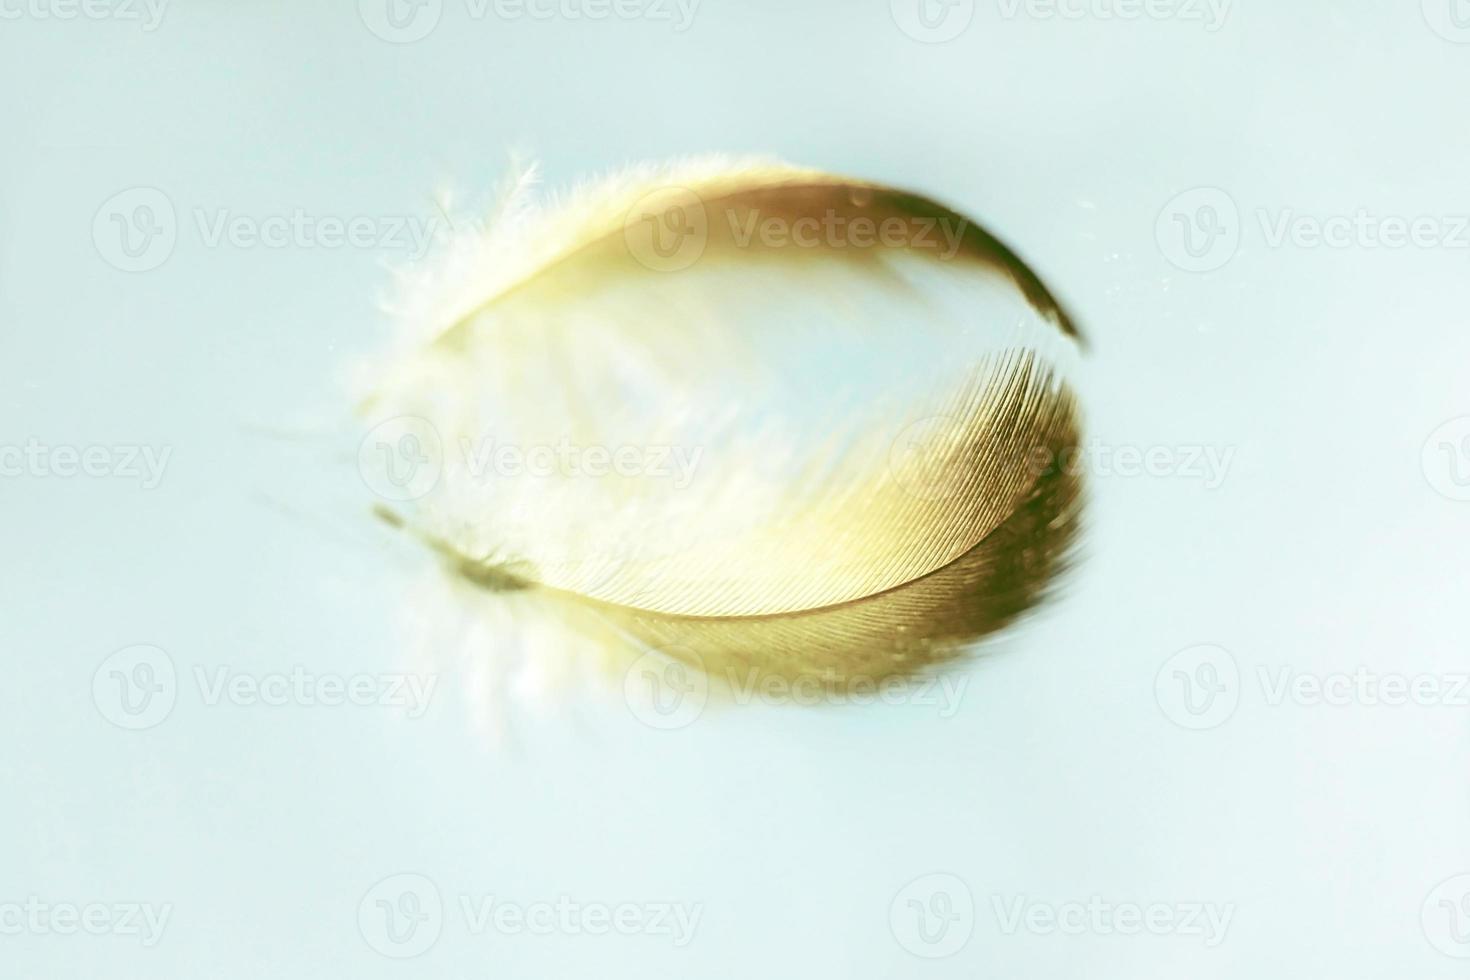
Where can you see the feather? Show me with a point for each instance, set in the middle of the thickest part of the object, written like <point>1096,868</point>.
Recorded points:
<point>826,399</point>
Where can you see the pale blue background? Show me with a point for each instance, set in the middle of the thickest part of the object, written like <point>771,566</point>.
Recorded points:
<point>1060,777</point>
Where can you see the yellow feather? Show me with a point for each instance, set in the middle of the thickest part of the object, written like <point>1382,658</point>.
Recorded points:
<point>824,390</point>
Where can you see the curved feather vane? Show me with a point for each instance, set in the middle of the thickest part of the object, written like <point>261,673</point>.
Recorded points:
<point>747,410</point>
<point>908,630</point>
